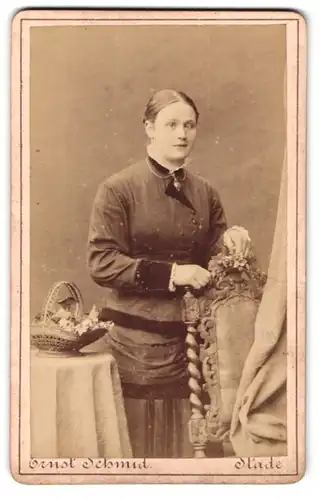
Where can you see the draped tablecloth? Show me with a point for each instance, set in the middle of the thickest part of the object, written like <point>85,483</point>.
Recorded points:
<point>77,407</point>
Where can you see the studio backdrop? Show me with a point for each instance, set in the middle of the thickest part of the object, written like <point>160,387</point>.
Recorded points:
<point>89,87</point>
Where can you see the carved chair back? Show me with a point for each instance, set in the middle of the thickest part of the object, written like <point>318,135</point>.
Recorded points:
<point>220,332</point>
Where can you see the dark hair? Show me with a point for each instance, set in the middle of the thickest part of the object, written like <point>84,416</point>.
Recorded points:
<point>163,98</point>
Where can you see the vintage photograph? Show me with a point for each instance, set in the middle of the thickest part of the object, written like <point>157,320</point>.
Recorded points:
<point>158,235</point>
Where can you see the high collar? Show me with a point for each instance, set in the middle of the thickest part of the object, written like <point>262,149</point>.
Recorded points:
<point>163,170</point>
<point>175,175</point>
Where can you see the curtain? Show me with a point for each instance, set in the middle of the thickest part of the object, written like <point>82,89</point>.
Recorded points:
<point>259,418</point>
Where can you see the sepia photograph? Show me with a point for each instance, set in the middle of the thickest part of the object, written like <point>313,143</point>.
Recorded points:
<point>158,246</point>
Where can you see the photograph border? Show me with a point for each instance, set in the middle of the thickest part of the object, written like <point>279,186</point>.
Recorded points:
<point>20,251</point>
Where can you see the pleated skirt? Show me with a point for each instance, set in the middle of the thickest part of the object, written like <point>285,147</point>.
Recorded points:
<point>158,428</point>
<point>157,413</point>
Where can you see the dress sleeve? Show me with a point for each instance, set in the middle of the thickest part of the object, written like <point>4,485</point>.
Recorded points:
<point>218,223</point>
<point>109,261</point>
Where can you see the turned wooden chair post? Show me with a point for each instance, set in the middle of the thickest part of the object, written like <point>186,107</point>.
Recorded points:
<point>197,422</point>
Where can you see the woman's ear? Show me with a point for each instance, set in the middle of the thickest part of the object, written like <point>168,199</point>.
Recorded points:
<point>149,129</point>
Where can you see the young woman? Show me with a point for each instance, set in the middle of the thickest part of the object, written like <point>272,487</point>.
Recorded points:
<point>153,228</point>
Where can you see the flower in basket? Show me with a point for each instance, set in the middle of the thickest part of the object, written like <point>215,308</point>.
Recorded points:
<point>66,324</point>
<point>90,322</point>
<point>61,326</point>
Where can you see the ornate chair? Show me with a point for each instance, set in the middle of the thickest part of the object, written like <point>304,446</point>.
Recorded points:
<point>220,331</point>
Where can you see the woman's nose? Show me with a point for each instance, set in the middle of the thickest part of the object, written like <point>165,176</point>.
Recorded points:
<point>181,132</point>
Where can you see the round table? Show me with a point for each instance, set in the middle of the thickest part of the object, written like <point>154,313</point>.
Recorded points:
<point>77,407</point>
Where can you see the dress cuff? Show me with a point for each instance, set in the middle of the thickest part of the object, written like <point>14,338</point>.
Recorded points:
<point>171,285</point>
<point>153,275</point>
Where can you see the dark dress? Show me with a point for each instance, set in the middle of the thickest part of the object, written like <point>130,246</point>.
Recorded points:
<point>140,226</point>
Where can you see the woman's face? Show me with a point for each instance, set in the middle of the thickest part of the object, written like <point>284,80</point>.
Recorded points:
<point>173,132</point>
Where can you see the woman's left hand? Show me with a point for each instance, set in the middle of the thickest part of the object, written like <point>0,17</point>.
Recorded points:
<point>237,240</point>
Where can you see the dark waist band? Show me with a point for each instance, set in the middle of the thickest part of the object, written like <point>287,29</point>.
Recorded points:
<point>166,328</point>
<point>176,390</point>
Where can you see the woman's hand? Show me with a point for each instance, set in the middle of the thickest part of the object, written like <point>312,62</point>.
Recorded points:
<point>191,275</point>
<point>237,240</point>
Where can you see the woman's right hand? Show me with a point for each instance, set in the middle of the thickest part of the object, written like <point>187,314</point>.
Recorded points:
<point>191,275</point>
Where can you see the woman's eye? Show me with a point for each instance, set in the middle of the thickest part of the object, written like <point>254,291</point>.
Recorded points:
<point>187,126</point>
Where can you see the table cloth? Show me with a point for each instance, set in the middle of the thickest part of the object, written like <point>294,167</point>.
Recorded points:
<point>77,407</point>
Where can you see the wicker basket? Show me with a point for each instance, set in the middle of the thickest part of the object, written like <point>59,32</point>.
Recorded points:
<point>47,336</point>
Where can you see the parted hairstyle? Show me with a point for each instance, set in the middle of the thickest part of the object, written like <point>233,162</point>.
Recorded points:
<point>164,98</point>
